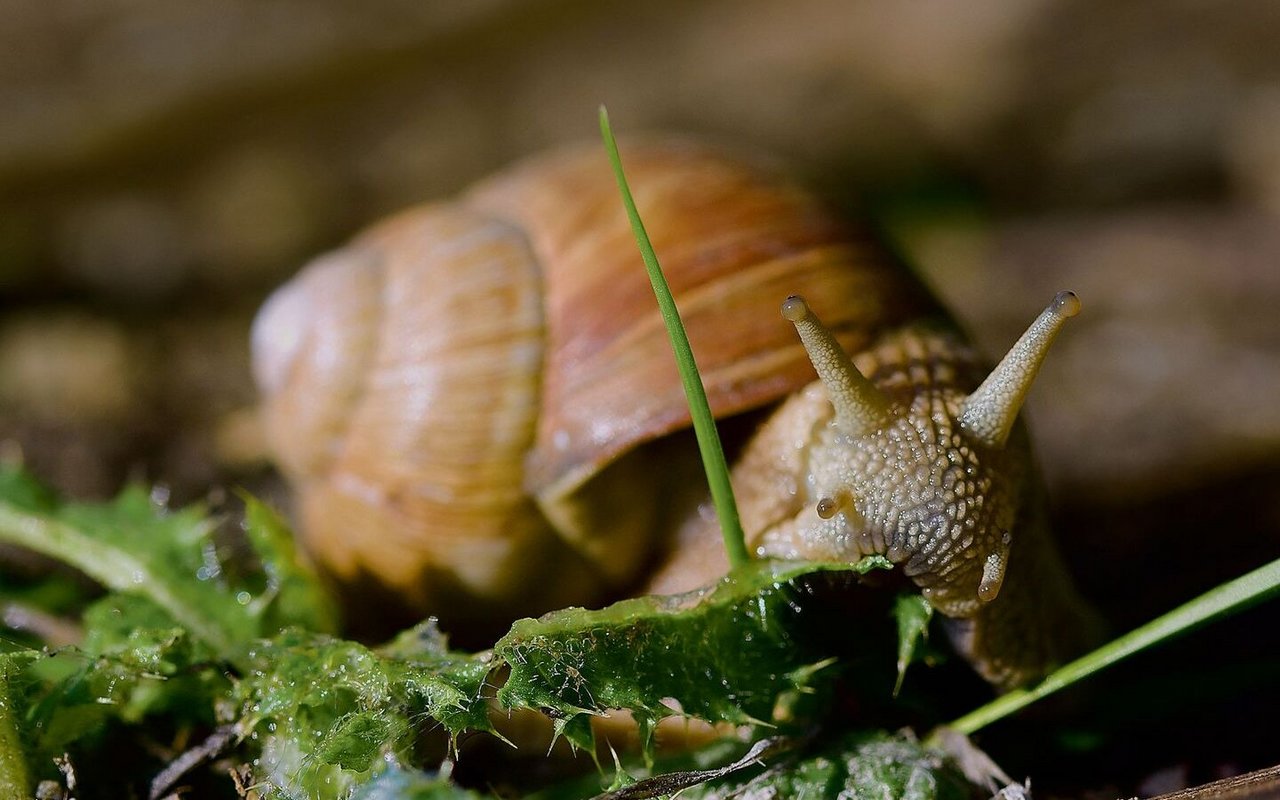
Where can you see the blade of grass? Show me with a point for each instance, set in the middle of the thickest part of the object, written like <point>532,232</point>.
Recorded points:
<point>704,426</point>
<point>1228,598</point>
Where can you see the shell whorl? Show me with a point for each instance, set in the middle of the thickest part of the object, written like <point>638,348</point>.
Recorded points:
<point>374,365</point>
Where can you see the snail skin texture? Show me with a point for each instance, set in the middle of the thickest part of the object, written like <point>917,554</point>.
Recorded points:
<point>477,407</point>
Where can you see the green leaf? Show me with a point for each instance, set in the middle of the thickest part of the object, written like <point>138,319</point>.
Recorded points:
<point>131,546</point>
<point>170,558</point>
<point>136,662</point>
<point>858,765</point>
<point>138,665</point>
<point>724,654</point>
<point>912,613</point>
<point>294,594</point>
<point>330,714</point>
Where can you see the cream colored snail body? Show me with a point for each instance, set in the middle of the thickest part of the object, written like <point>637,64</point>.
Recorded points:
<point>473,401</point>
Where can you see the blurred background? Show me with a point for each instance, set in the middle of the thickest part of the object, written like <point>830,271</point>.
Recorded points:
<point>165,163</point>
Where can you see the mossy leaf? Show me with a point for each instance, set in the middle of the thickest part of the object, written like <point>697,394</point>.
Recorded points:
<point>723,654</point>
<point>181,638</point>
<point>136,663</point>
<point>856,765</point>
<point>330,714</point>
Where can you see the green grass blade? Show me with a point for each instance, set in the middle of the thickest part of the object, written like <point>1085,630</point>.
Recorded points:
<point>704,425</point>
<point>1225,599</point>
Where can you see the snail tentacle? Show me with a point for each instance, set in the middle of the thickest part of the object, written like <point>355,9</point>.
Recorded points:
<point>988,414</point>
<point>860,407</point>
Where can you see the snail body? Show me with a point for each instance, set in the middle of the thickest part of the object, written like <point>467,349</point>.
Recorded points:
<point>925,463</point>
<point>467,396</point>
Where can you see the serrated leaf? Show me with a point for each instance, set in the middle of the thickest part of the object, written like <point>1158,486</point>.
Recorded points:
<point>331,713</point>
<point>724,654</point>
<point>132,546</point>
<point>912,613</point>
<point>329,716</point>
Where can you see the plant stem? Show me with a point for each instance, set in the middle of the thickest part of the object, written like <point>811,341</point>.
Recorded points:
<point>1225,599</point>
<point>704,426</point>
<point>15,782</point>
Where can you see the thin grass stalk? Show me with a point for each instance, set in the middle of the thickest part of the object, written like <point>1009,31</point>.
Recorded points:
<point>1228,598</point>
<point>704,426</point>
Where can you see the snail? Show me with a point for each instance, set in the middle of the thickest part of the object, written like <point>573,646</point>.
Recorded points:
<point>475,403</point>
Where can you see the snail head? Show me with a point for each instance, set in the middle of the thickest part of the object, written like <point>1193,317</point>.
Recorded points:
<point>911,465</point>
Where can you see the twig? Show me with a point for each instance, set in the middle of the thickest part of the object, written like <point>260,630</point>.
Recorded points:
<point>672,782</point>
<point>1253,786</point>
<point>215,745</point>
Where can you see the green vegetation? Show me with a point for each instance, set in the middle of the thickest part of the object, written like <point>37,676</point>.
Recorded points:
<point>191,648</point>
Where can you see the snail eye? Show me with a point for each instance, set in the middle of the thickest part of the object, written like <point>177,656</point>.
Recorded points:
<point>831,505</point>
<point>827,507</point>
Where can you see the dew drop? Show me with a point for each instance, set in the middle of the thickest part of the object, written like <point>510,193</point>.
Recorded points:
<point>159,497</point>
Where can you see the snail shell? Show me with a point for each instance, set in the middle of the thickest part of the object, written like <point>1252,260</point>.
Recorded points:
<point>459,396</point>
<point>467,398</point>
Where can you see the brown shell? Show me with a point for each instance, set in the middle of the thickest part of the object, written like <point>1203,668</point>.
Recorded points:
<point>422,383</point>
<point>400,385</point>
<point>734,242</point>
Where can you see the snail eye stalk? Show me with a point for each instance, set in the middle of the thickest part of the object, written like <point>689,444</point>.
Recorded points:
<point>988,414</point>
<point>860,407</point>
